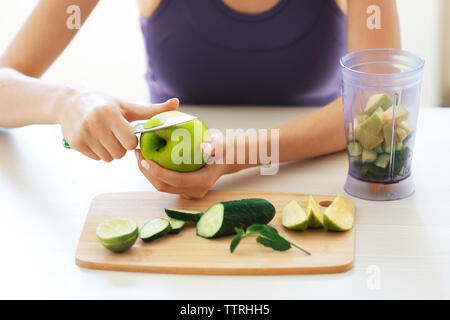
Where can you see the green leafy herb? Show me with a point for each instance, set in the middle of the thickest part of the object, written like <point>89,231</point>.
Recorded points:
<point>267,236</point>
<point>240,234</point>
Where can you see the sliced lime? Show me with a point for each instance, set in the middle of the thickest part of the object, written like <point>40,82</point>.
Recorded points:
<point>117,234</point>
<point>338,216</point>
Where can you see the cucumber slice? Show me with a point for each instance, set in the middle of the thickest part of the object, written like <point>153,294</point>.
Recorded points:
<point>155,229</point>
<point>382,160</point>
<point>185,215</point>
<point>293,217</point>
<point>176,225</point>
<point>355,149</point>
<point>369,156</point>
<point>221,218</point>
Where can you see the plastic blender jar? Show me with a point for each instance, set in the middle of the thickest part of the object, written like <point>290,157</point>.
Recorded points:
<point>381,98</point>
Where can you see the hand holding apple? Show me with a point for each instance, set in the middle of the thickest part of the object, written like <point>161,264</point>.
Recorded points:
<point>190,185</point>
<point>177,147</point>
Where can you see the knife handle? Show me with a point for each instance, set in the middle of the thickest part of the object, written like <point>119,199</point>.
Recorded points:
<point>65,144</point>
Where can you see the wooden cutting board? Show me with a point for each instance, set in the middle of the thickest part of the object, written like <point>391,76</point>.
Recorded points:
<point>187,253</point>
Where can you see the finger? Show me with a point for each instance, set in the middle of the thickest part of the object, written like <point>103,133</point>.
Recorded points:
<point>99,150</point>
<point>207,148</point>
<point>124,133</point>
<point>187,192</point>
<point>133,112</point>
<point>158,184</point>
<point>177,179</point>
<point>209,145</point>
<point>111,144</point>
<point>88,152</point>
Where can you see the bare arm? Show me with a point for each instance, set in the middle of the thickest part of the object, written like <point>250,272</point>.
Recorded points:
<point>95,124</point>
<point>44,36</point>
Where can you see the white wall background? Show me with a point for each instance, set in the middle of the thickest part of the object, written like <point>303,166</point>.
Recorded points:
<point>108,52</point>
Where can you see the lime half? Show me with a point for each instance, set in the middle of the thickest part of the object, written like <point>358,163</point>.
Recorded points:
<point>338,216</point>
<point>117,234</point>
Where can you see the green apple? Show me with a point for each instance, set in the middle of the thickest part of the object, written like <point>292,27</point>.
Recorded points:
<point>294,217</point>
<point>338,216</point>
<point>177,147</point>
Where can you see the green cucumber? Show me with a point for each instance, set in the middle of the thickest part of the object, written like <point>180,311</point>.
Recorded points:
<point>222,218</point>
<point>355,149</point>
<point>185,215</point>
<point>155,229</point>
<point>382,160</point>
<point>176,225</point>
<point>369,156</point>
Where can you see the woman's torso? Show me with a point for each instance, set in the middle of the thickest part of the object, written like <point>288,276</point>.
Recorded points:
<point>205,52</point>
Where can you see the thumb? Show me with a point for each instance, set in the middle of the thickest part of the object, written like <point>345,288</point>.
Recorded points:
<point>133,111</point>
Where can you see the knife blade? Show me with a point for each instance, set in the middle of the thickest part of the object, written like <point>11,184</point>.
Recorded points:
<point>168,122</point>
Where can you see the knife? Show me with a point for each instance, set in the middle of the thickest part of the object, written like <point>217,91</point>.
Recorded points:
<point>166,123</point>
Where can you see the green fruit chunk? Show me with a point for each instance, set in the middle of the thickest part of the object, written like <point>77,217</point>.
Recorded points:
<point>355,149</point>
<point>373,124</point>
<point>293,217</point>
<point>172,148</point>
<point>398,147</point>
<point>405,126</point>
<point>338,216</point>
<point>369,156</point>
<point>117,234</point>
<point>368,140</point>
<point>388,135</point>
<point>382,160</point>
<point>314,213</point>
<point>400,114</point>
<point>401,134</point>
<point>376,101</point>
<point>379,148</point>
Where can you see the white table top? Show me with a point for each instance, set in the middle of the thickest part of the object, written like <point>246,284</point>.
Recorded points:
<point>45,193</point>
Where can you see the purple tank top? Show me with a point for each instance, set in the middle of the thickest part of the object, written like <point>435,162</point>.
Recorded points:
<point>204,52</point>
